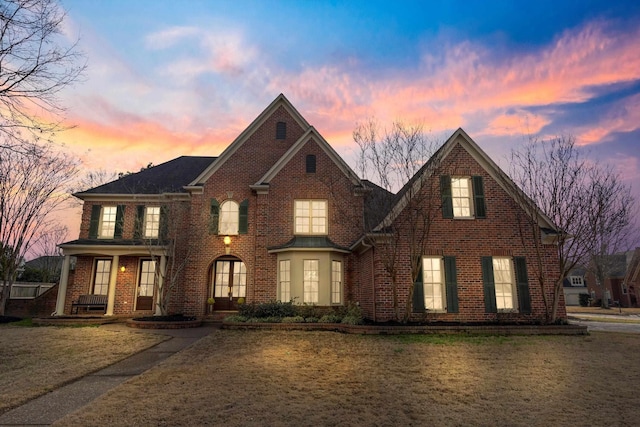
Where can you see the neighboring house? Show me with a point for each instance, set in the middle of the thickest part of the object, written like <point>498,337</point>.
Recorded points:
<point>622,273</point>
<point>279,215</point>
<point>574,285</point>
<point>45,269</point>
<point>632,278</point>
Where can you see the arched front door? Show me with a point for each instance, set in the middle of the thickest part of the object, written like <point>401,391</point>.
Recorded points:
<point>229,283</point>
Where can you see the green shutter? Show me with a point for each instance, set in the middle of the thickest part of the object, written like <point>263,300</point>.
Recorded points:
<point>489,285</point>
<point>451,283</point>
<point>163,233</point>
<point>119,222</point>
<point>447,202</point>
<point>478,197</point>
<point>418,294</point>
<point>243,225</point>
<point>214,217</point>
<point>96,210</point>
<point>522,281</point>
<point>137,231</point>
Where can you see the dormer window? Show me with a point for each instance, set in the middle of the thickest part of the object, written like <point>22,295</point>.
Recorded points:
<point>281,130</point>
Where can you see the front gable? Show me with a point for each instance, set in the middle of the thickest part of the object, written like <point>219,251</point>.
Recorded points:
<point>260,145</point>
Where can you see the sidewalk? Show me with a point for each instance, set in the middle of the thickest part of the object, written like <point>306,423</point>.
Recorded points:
<point>47,409</point>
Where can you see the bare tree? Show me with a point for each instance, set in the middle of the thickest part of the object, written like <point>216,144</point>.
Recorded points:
<point>35,65</point>
<point>396,160</point>
<point>609,207</point>
<point>32,187</point>
<point>50,255</point>
<point>558,187</point>
<point>169,251</point>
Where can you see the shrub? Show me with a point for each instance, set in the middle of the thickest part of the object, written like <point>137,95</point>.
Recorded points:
<point>268,309</point>
<point>272,319</point>
<point>293,319</point>
<point>330,318</point>
<point>310,310</point>
<point>584,300</point>
<point>311,319</point>
<point>352,320</point>
<point>236,318</point>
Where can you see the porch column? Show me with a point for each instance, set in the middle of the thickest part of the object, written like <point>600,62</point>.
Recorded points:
<point>163,271</point>
<point>112,285</point>
<point>62,287</point>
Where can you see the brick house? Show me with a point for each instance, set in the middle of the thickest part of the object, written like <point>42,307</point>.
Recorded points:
<point>279,215</point>
<point>622,281</point>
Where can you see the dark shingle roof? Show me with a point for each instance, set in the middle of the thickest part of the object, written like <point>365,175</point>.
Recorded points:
<point>377,204</point>
<point>167,177</point>
<point>309,242</point>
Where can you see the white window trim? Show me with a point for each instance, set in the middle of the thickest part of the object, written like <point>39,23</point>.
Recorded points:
<point>340,282</point>
<point>153,284</point>
<point>442,285</point>
<point>95,274</point>
<point>101,225</point>
<point>309,230</point>
<point>146,223</point>
<point>284,291</point>
<point>306,282</point>
<point>514,288</point>
<point>233,215</point>
<point>470,198</point>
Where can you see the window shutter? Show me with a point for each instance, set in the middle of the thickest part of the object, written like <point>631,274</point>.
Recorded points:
<point>163,232</point>
<point>522,281</point>
<point>478,197</point>
<point>119,222</point>
<point>447,202</point>
<point>489,285</point>
<point>418,294</point>
<point>243,222</point>
<point>451,283</point>
<point>96,210</point>
<point>214,217</point>
<point>137,231</point>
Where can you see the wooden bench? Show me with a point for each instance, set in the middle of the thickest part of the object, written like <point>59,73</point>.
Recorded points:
<point>90,301</point>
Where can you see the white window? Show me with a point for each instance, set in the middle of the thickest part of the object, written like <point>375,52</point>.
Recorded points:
<point>108,222</point>
<point>101,278</point>
<point>147,278</point>
<point>461,197</point>
<point>505,284</point>
<point>151,222</point>
<point>310,282</point>
<point>433,282</point>
<point>577,281</point>
<point>336,282</point>
<point>311,217</point>
<point>285,280</point>
<point>229,218</point>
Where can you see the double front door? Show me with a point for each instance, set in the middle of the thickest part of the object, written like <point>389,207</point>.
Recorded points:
<point>229,283</point>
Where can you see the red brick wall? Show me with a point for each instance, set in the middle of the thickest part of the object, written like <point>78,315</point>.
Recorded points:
<point>469,240</point>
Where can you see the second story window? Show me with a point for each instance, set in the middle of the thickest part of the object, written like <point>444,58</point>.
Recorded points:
<point>152,222</point>
<point>107,222</point>
<point>462,197</point>
<point>311,163</point>
<point>229,219</point>
<point>310,217</point>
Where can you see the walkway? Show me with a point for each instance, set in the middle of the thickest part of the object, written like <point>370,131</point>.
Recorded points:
<point>47,409</point>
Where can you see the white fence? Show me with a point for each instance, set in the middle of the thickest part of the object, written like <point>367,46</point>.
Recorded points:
<point>24,290</point>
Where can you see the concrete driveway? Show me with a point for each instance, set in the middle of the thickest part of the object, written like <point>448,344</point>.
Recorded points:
<point>606,323</point>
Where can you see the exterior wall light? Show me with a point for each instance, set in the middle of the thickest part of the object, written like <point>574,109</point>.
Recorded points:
<point>123,268</point>
<point>227,244</point>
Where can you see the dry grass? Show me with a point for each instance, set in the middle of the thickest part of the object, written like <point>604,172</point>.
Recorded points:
<point>34,361</point>
<point>277,378</point>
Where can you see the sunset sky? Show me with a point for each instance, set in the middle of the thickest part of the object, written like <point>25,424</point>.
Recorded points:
<point>171,78</point>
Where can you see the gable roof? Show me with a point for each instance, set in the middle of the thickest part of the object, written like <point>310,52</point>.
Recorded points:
<point>311,133</point>
<point>168,177</point>
<point>280,101</point>
<point>459,137</point>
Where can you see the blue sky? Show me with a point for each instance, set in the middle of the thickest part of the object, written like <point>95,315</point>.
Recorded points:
<point>171,78</point>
